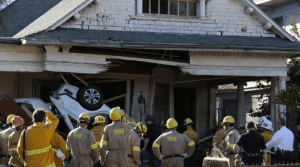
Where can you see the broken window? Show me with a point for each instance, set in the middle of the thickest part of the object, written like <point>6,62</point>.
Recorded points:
<point>170,7</point>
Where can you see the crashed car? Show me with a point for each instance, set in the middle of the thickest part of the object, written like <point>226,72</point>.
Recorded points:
<point>67,102</point>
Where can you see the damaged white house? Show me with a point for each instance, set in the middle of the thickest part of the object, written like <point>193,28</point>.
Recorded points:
<point>175,51</point>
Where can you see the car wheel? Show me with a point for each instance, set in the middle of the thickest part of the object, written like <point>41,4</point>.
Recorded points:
<point>91,97</point>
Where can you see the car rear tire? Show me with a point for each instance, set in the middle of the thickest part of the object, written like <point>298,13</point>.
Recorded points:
<point>91,97</point>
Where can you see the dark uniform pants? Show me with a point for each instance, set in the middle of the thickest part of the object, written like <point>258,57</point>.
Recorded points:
<point>190,161</point>
<point>255,160</point>
<point>283,157</point>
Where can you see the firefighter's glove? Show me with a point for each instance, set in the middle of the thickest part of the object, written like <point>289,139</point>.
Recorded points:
<point>161,157</point>
<point>185,155</point>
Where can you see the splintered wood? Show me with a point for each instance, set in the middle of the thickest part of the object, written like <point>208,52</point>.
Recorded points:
<point>217,159</point>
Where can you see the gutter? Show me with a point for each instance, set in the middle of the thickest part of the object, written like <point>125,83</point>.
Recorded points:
<point>11,41</point>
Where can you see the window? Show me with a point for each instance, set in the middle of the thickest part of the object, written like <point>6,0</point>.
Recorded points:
<point>170,7</point>
<point>279,21</point>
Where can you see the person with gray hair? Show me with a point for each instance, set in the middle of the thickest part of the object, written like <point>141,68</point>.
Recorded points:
<point>282,141</point>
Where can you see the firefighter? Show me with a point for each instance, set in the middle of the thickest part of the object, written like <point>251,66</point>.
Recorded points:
<point>82,145</point>
<point>190,161</point>
<point>173,146</point>
<point>265,128</point>
<point>231,137</point>
<point>37,140</point>
<point>97,130</point>
<point>219,136</point>
<point>115,139</point>
<point>59,147</point>
<point>133,147</point>
<point>18,124</point>
<point>4,136</point>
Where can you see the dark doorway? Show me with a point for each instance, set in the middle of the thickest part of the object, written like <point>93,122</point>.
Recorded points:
<point>230,108</point>
<point>161,104</point>
<point>184,106</point>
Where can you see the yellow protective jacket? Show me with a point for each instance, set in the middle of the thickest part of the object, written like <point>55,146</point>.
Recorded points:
<point>57,142</point>
<point>37,143</point>
<point>12,149</point>
<point>220,135</point>
<point>192,135</point>
<point>267,136</point>
<point>98,131</point>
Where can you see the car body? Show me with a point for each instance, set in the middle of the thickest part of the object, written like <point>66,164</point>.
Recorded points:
<point>64,104</point>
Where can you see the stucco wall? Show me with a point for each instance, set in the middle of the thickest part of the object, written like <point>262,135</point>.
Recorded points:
<point>224,17</point>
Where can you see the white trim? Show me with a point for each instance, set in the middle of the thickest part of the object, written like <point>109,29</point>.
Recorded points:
<point>264,18</point>
<point>69,15</point>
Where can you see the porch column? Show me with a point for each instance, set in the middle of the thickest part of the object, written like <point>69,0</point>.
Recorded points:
<point>241,116</point>
<point>139,6</point>
<point>201,9</point>
<point>282,86</point>
<point>212,107</point>
<point>273,115</point>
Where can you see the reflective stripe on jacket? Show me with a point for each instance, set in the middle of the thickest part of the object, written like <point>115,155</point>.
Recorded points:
<point>37,143</point>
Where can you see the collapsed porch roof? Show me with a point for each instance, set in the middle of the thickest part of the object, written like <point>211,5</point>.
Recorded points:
<point>148,40</point>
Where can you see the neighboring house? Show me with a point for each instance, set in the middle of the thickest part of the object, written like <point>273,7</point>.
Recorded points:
<point>281,12</point>
<point>176,52</point>
<point>227,99</point>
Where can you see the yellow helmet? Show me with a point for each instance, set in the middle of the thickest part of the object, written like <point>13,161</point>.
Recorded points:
<point>99,119</point>
<point>142,128</point>
<point>188,121</point>
<point>172,123</point>
<point>228,119</point>
<point>10,118</point>
<point>84,117</point>
<point>115,114</point>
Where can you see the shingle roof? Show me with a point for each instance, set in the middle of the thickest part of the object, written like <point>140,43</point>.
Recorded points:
<point>21,13</point>
<point>98,38</point>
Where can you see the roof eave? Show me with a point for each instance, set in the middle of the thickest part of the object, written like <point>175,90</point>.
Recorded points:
<point>264,18</point>
<point>157,46</point>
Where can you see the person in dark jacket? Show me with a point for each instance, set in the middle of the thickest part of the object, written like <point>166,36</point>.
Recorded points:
<point>153,133</point>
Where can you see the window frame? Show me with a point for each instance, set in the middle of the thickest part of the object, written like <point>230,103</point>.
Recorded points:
<point>178,9</point>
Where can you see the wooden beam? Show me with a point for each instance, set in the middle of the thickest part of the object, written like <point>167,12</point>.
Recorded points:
<point>114,98</point>
<point>249,10</point>
<point>163,62</point>
<point>127,99</point>
<point>81,80</point>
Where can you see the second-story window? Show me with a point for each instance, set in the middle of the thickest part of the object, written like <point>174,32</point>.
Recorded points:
<point>170,7</point>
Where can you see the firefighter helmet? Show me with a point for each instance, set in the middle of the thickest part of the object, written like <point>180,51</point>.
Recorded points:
<point>171,123</point>
<point>84,117</point>
<point>99,119</point>
<point>228,119</point>
<point>188,121</point>
<point>142,128</point>
<point>261,120</point>
<point>17,121</point>
<point>267,125</point>
<point>10,118</point>
<point>115,114</point>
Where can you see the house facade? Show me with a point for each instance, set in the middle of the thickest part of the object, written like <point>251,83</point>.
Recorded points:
<point>281,12</point>
<point>175,52</point>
